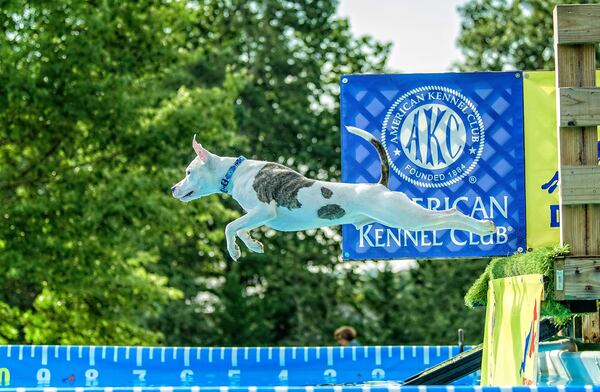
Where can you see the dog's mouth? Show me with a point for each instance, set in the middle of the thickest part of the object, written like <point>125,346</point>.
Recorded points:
<point>187,194</point>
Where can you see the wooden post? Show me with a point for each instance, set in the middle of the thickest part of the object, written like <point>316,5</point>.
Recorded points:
<point>576,32</point>
<point>582,277</point>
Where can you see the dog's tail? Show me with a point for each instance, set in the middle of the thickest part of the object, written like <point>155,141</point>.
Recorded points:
<point>385,165</point>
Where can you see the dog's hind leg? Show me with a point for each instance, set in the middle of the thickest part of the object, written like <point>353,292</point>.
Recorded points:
<point>454,219</point>
<point>395,209</point>
<point>361,221</point>
<point>252,244</point>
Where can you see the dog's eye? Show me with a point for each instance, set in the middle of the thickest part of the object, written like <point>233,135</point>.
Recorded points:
<point>188,172</point>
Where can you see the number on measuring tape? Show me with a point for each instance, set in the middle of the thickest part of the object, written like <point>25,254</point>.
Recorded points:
<point>234,376</point>
<point>140,373</point>
<point>330,375</point>
<point>283,375</point>
<point>91,378</point>
<point>378,374</point>
<point>43,377</point>
<point>186,375</point>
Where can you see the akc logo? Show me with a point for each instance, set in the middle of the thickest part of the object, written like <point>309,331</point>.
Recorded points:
<point>433,135</point>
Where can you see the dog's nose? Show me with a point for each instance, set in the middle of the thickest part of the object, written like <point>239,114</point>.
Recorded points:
<point>173,188</point>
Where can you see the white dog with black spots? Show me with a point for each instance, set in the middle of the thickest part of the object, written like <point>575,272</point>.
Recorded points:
<point>282,199</point>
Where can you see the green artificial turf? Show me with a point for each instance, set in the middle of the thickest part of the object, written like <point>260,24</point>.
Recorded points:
<point>539,261</point>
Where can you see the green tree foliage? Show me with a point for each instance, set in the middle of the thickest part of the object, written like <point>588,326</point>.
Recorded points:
<point>99,102</point>
<point>291,54</point>
<point>438,288</point>
<point>498,35</point>
<point>381,312</point>
<point>87,155</point>
<point>423,305</point>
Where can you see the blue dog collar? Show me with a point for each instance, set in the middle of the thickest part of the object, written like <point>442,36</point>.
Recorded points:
<point>227,179</point>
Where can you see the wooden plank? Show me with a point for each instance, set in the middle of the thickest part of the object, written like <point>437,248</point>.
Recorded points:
<point>577,24</point>
<point>572,231</point>
<point>580,185</point>
<point>579,106</point>
<point>581,278</point>
<point>575,67</point>
<point>593,230</point>
<point>590,327</point>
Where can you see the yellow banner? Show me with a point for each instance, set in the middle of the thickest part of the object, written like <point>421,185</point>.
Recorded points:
<point>512,320</point>
<point>541,158</point>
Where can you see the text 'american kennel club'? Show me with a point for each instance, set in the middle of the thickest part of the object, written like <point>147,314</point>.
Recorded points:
<point>452,141</point>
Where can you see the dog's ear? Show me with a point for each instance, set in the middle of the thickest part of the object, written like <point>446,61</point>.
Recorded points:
<point>200,151</point>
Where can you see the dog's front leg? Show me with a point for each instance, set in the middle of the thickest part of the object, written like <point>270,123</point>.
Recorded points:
<point>252,244</point>
<point>253,219</point>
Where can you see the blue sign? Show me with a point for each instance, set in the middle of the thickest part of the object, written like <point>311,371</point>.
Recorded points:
<point>452,141</point>
<point>230,367</point>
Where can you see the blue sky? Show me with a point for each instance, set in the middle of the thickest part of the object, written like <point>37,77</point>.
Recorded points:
<point>423,32</point>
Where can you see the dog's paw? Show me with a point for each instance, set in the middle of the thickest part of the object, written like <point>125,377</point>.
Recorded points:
<point>256,246</point>
<point>234,251</point>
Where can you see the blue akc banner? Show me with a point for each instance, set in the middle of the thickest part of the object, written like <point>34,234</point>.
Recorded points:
<point>453,140</point>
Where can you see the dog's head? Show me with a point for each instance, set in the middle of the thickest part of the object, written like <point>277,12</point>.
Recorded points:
<point>199,177</point>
